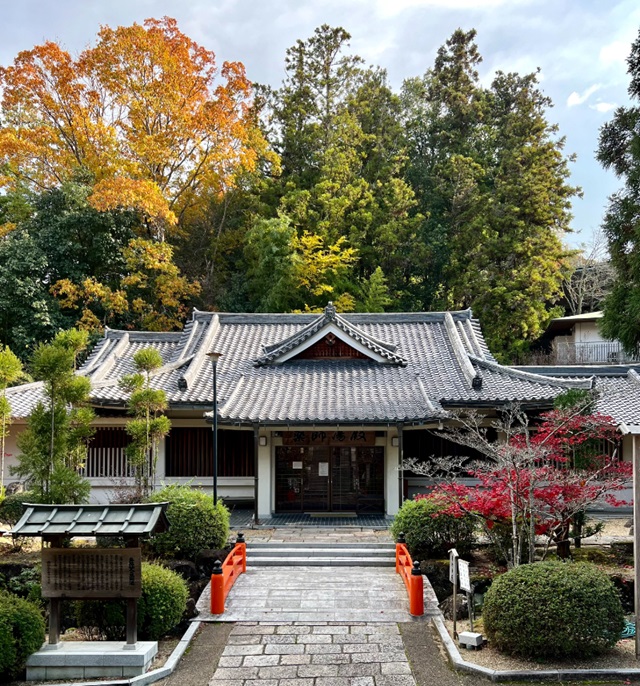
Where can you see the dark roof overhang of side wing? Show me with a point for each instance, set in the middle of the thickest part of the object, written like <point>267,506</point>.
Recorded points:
<point>92,520</point>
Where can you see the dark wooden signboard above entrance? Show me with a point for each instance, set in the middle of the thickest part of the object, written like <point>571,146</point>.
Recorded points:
<point>347,437</point>
<point>91,573</point>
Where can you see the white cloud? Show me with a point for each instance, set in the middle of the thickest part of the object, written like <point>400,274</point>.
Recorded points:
<point>390,8</point>
<point>615,53</point>
<point>603,106</point>
<point>576,99</point>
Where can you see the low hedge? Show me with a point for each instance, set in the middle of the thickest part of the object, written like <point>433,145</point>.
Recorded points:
<point>22,632</point>
<point>195,524</point>
<point>553,610</point>
<point>11,507</point>
<point>429,531</point>
<point>160,608</point>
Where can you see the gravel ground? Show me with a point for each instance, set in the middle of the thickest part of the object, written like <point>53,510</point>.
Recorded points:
<point>622,655</point>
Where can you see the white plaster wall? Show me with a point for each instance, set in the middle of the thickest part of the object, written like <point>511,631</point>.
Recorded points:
<point>587,332</point>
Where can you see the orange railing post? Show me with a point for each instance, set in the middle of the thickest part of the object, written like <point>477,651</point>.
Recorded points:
<point>412,577</point>
<point>217,589</point>
<point>225,574</point>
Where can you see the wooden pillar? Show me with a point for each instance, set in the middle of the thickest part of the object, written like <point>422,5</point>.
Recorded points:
<point>256,446</point>
<point>132,603</point>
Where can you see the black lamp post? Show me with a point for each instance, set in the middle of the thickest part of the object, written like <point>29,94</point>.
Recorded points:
<point>214,357</point>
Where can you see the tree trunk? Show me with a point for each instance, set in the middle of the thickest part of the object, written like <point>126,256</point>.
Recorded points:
<point>563,543</point>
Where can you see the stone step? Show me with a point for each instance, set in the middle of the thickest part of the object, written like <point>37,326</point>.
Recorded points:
<point>319,551</point>
<point>310,561</point>
<point>324,544</point>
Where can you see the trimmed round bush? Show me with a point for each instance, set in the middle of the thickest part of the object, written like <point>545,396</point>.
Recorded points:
<point>163,601</point>
<point>195,524</point>
<point>11,507</point>
<point>429,532</point>
<point>553,610</point>
<point>160,608</point>
<point>21,633</point>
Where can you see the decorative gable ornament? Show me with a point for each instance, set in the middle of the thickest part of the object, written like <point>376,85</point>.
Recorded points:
<point>330,336</point>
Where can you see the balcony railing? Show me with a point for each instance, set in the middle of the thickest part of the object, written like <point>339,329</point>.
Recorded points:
<point>597,352</point>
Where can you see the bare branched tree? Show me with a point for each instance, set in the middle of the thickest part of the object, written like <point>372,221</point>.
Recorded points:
<point>592,276</point>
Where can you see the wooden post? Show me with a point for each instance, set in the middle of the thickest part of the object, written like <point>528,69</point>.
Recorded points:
<point>636,533</point>
<point>132,621</point>
<point>54,621</point>
<point>132,603</point>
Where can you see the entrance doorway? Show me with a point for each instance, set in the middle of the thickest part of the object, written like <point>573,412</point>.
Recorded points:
<point>321,478</point>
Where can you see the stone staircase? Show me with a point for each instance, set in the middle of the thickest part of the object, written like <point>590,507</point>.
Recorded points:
<point>280,554</point>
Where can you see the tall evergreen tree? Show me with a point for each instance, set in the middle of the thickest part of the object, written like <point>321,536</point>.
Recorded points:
<point>54,445</point>
<point>619,150</point>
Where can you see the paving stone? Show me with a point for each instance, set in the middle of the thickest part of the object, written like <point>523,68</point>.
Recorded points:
<point>395,680</point>
<point>296,682</point>
<point>387,668</point>
<point>350,638</point>
<point>295,630</point>
<point>295,659</point>
<point>284,649</point>
<point>224,673</point>
<point>262,661</point>
<point>244,650</point>
<point>360,648</point>
<point>331,629</point>
<point>278,638</point>
<point>322,649</point>
<point>363,681</point>
<point>331,659</point>
<point>318,670</point>
<point>378,657</point>
<point>333,681</point>
<point>226,682</point>
<point>359,669</point>
<point>314,638</point>
<point>281,672</point>
<point>251,628</point>
<point>230,661</point>
<point>243,639</point>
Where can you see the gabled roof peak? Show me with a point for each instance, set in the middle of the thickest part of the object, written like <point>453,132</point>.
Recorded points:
<point>330,322</point>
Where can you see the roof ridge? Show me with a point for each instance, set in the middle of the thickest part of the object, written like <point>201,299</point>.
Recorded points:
<point>560,382</point>
<point>633,375</point>
<point>458,349</point>
<point>198,358</point>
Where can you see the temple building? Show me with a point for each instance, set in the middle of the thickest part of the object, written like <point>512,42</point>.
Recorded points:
<point>315,411</point>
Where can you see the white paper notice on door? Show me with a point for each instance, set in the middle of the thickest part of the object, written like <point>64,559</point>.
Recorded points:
<point>323,469</point>
<point>296,465</point>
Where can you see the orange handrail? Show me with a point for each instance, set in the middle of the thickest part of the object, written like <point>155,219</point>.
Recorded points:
<point>225,575</point>
<point>410,573</point>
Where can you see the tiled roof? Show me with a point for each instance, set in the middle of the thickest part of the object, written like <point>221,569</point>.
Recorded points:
<point>416,364</point>
<point>92,520</point>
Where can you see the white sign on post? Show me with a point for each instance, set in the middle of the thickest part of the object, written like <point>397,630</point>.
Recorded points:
<point>453,568</point>
<point>463,575</point>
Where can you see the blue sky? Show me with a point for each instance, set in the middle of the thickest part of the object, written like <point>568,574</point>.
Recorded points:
<point>580,47</point>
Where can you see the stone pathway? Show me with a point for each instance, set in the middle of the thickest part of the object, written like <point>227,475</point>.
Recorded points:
<point>317,594</point>
<point>320,654</point>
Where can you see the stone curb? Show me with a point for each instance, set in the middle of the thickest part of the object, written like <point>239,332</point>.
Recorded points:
<point>525,675</point>
<point>152,676</point>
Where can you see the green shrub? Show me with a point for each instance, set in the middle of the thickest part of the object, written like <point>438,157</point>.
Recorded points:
<point>160,608</point>
<point>429,532</point>
<point>11,508</point>
<point>164,598</point>
<point>553,609</point>
<point>21,633</point>
<point>195,524</point>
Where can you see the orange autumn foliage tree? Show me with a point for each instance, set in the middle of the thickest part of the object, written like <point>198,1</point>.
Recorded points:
<point>145,114</point>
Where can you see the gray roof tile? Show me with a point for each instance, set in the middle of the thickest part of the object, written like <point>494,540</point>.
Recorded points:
<point>425,363</point>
